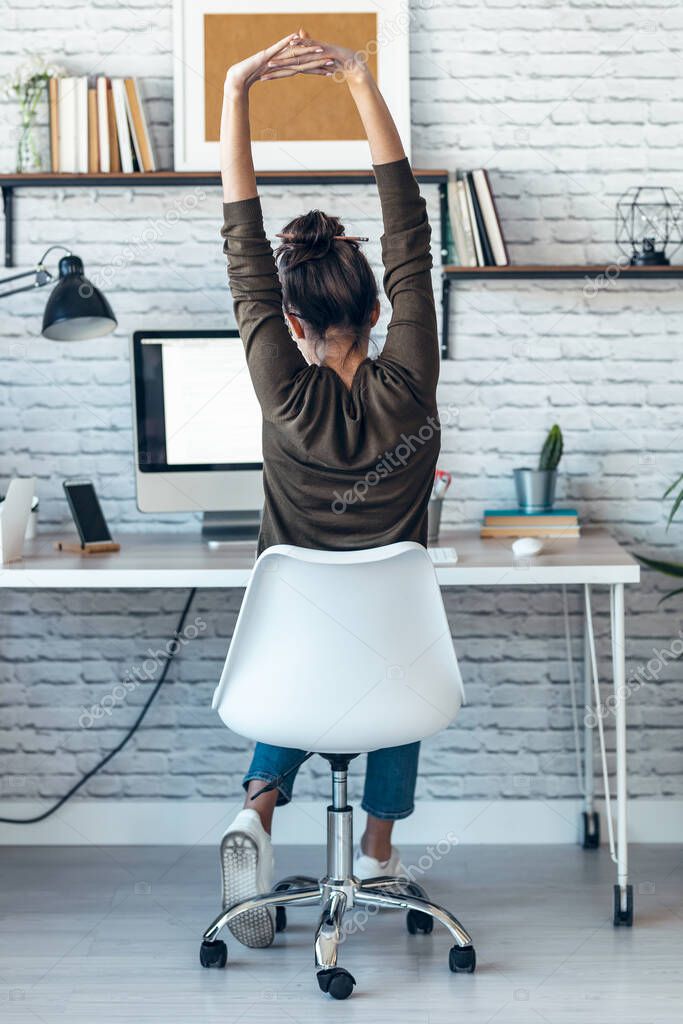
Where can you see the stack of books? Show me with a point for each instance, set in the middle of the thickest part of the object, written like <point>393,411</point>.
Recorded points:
<point>512,522</point>
<point>476,236</point>
<point>98,128</point>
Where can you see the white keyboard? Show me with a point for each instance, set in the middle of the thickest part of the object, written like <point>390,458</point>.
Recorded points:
<point>443,556</point>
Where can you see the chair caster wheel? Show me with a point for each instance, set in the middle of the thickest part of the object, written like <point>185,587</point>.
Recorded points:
<point>623,917</point>
<point>418,921</point>
<point>591,830</point>
<point>280,919</point>
<point>213,954</point>
<point>463,959</point>
<point>336,982</point>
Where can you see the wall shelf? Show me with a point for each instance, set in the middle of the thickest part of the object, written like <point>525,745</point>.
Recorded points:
<point>592,272</point>
<point>558,272</point>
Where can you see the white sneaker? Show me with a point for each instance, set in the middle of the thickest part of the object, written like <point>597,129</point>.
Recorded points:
<point>247,870</point>
<point>369,867</point>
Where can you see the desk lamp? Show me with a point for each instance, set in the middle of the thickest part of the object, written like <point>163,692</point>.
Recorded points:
<point>75,310</point>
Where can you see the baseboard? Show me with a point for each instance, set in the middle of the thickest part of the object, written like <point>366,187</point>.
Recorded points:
<point>185,822</point>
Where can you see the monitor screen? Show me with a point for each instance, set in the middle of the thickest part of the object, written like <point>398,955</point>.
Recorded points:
<point>195,404</point>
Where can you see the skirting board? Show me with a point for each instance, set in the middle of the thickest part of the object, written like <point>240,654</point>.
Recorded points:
<point>185,822</point>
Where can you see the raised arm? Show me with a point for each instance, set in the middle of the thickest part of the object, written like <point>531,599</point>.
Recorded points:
<point>412,340</point>
<point>272,357</point>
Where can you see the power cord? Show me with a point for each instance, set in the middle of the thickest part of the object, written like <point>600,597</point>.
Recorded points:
<point>133,729</point>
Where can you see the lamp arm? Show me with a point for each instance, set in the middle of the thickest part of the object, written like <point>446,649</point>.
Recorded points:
<point>42,275</point>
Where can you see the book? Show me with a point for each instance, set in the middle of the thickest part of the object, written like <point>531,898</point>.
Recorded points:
<point>462,235</point>
<point>559,532</point>
<point>104,160</point>
<point>487,254</point>
<point>473,225</point>
<point>489,214</point>
<point>93,154</point>
<point>66,115</point>
<point>139,129</point>
<point>114,153</point>
<point>81,88</point>
<point>466,223</point>
<point>122,130</point>
<point>515,516</point>
<point>53,103</point>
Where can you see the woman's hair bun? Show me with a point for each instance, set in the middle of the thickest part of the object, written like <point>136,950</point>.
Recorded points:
<point>309,237</point>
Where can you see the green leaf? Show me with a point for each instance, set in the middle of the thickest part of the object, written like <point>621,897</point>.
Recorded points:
<point>672,593</point>
<point>668,568</point>
<point>673,486</point>
<point>674,508</point>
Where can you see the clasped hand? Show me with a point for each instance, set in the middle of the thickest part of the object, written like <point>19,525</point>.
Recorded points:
<point>296,54</point>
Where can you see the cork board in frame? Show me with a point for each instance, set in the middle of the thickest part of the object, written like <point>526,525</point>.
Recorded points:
<point>299,124</point>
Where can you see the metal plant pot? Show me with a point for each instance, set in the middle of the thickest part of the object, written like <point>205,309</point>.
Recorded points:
<point>434,510</point>
<point>535,489</point>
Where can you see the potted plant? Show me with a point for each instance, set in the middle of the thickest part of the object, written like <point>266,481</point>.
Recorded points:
<point>668,568</point>
<point>536,487</point>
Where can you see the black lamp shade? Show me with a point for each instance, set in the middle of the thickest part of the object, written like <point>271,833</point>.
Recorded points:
<point>76,310</point>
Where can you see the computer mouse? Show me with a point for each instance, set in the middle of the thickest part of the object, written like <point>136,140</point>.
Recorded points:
<point>523,547</point>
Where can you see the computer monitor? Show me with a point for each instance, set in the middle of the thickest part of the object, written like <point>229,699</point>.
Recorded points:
<point>197,430</point>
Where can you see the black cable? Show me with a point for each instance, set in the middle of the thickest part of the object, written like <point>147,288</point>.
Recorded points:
<point>112,753</point>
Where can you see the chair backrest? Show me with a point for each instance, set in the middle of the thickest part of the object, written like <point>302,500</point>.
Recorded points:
<point>341,652</point>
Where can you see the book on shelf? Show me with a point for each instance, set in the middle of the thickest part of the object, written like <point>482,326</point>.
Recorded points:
<point>114,151</point>
<point>103,125</point>
<point>138,126</point>
<point>93,144</point>
<point>66,114</point>
<point>513,522</point>
<point>122,129</point>
<point>486,252</point>
<point>53,105</point>
<point>81,124</point>
<point>489,214</point>
<point>98,129</point>
<point>458,217</point>
<point>475,225</point>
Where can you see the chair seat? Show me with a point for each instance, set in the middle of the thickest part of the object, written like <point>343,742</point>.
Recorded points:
<point>341,651</point>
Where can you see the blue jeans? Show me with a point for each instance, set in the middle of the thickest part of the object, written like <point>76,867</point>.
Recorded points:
<point>390,777</point>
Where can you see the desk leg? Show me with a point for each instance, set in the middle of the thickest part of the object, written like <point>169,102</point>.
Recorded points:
<point>591,818</point>
<point>623,892</point>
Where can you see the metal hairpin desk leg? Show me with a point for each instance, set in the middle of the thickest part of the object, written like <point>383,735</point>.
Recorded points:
<point>591,818</point>
<point>623,892</point>
<point>618,846</point>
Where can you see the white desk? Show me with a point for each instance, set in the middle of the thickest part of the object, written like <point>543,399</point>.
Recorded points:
<point>182,560</point>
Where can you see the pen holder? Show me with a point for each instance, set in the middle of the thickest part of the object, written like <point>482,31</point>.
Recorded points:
<point>434,510</point>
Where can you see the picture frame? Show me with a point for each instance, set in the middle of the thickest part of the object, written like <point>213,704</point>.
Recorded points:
<point>306,123</point>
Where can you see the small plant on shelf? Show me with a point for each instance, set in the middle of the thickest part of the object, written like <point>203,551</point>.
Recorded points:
<point>28,83</point>
<point>552,449</point>
<point>536,487</point>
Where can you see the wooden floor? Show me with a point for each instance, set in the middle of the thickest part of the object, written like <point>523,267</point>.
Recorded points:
<point>112,934</point>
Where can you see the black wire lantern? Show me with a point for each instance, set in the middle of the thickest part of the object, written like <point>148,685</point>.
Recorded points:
<point>649,219</point>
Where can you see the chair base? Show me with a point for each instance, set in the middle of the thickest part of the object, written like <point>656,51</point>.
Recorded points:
<point>338,899</point>
<point>338,894</point>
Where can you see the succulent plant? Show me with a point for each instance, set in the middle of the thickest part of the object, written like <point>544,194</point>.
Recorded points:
<point>551,453</point>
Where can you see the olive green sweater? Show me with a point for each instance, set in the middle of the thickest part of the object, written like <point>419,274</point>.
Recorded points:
<point>344,468</point>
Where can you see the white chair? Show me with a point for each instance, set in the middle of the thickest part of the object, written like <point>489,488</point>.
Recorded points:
<point>340,653</point>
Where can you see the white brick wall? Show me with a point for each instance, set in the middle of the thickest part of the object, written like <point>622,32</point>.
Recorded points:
<point>567,105</point>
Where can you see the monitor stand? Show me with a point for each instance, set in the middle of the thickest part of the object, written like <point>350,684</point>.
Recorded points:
<point>227,527</point>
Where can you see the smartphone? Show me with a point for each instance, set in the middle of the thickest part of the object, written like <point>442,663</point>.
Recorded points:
<point>87,514</point>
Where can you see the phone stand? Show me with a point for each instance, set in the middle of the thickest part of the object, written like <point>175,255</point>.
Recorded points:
<point>96,548</point>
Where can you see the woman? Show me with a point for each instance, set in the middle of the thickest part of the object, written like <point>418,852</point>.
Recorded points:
<point>349,444</point>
